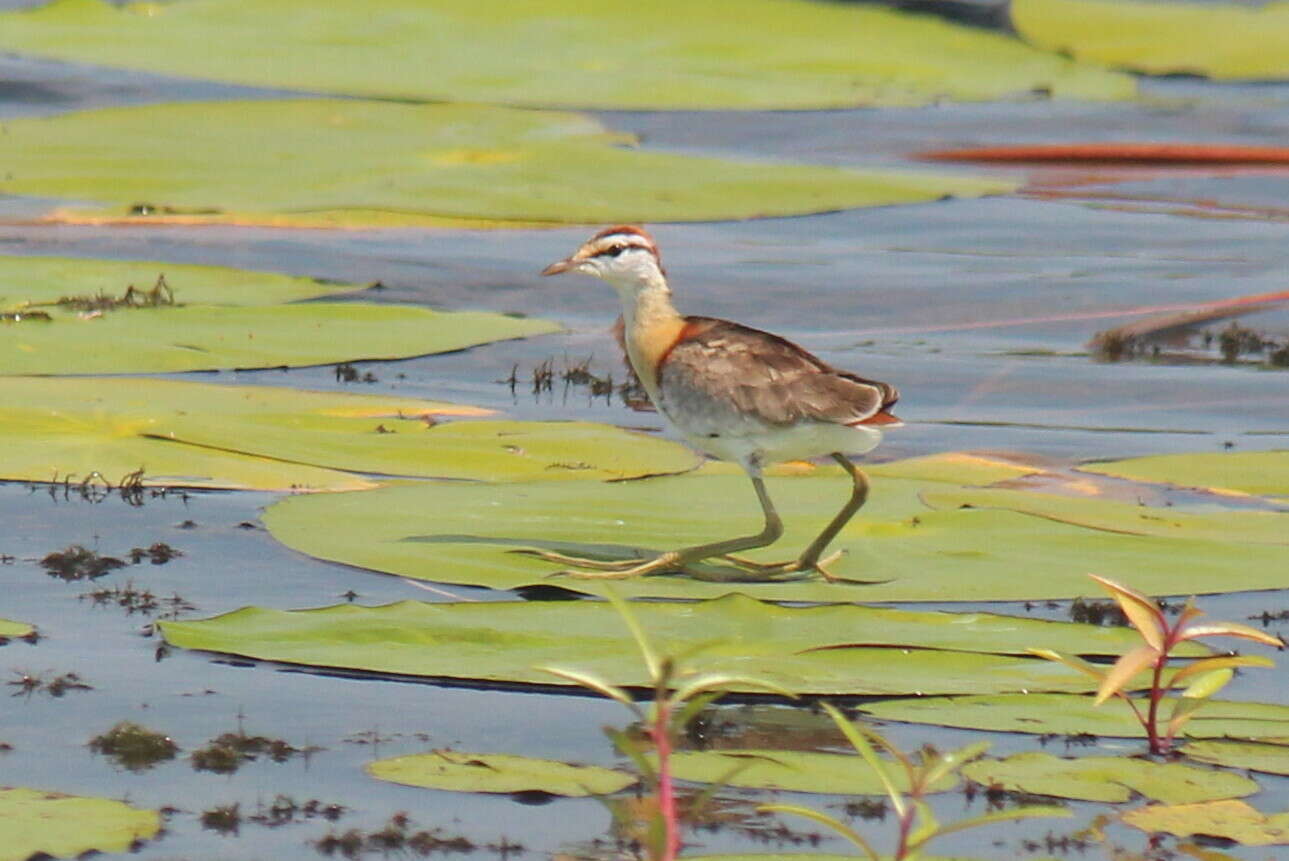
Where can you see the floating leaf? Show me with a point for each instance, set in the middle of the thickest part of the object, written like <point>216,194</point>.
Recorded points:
<point>1225,41</point>
<point>460,771</point>
<point>1107,778</point>
<point>1066,715</point>
<point>1229,820</point>
<point>1259,527</point>
<point>957,467</point>
<point>738,636</point>
<point>483,450</point>
<point>197,337</point>
<point>764,54</point>
<point>415,163</point>
<point>1255,756</point>
<point>35,823</point>
<point>41,281</point>
<point>10,628</point>
<point>69,429</point>
<point>1117,152</point>
<point>791,771</point>
<point>464,534</point>
<point>1253,472</point>
<point>274,438</point>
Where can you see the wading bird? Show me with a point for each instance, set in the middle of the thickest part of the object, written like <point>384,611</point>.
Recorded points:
<point>735,393</point>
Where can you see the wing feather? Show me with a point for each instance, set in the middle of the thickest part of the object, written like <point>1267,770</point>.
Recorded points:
<point>738,369</point>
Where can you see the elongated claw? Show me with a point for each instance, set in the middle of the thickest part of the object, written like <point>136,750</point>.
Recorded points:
<point>580,561</point>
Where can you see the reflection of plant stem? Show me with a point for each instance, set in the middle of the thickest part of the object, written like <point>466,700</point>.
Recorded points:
<point>659,733</point>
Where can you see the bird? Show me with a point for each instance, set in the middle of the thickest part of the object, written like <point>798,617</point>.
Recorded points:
<point>736,394</point>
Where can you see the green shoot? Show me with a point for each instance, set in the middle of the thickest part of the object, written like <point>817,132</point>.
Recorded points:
<point>1200,679</point>
<point>679,694</point>
<point>920,772</point>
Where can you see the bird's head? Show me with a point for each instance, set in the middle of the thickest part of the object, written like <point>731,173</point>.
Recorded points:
<point>624,256</point>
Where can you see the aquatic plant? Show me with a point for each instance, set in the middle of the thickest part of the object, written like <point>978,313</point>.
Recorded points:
<point>922,770</point>
<point>1160,637</point>
<point>679,694</point>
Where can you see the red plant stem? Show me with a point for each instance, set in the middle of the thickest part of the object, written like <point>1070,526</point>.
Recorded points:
<point>658,732</point>
<point>906,825</point>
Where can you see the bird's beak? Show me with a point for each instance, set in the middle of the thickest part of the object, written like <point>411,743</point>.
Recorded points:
<point>560,266</point>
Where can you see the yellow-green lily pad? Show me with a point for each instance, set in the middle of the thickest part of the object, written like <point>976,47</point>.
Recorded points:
<point>467,535</point>
<point>39,282</point>
<point>412,162</point>
<point>196,338</point>
<point>1067,715</point>
<point>460,771</point>
<point>269,438</point>
<point>1108,778</point>
<point>1255,527</point>
<point>34,823</point>
<point>665,54</point>
<point>1226,41</point>
<point>808,650</point>
<point>791,771</point>
<point>1260,473</point>
<point>10,628</point>
<point>1229,820</point>
<point>1255,756</point>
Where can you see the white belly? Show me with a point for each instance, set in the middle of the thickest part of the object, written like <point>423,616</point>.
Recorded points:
<point>745,440</point>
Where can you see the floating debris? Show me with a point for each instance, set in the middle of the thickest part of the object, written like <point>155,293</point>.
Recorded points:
<point>134,747</point>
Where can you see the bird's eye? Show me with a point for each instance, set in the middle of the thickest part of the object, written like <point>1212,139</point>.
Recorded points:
<point>615,250</point>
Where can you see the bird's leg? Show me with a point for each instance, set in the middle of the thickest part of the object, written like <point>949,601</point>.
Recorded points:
<point>810,560</point>
<point>675,560</point>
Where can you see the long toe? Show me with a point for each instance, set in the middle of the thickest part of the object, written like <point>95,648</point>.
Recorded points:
<point>580,561</point>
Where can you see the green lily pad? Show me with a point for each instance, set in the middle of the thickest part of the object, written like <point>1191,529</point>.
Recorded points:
<point>41,281</point>
<point>215,161</point>
<point>197,338</point>
<point>1226,41</point>
<point>748,54</point>
<point>956,467</point>
<point>1066,715</point>
<point>809,650</point>
<point>33,822</point>
<point>69,429</point>
<point>10,628</point>
<point>790,771</point>
<point>478,450</point>
<point>1108,778</point>
<point>1230,820</point>
<point>1261,473</point>
<point>1256,527</point>
<point>459,771</point>
<point>466,534</point>
<point>1255,756</point>
<point>195,434</point>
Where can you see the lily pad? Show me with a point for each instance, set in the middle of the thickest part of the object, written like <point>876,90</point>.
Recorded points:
<point>1067,715</point>
<point>1108,778</point>
<point>956,467</point>
<point>69,429</point>
<point>195,434</point>
<point>34,823</point>
<point>790,771</point>
<point>1226,41</point>
<point>199,338</point>
<point>1255,756</point>
<point>1249,472</point>
<point>42,281</point>
<point>459,771</point>
<point>808,650</point>
<point>467,534</point>
<point>413,163</point>
<point>10,628</point>
<point>1229,820</point>
<point>1256,527</point>
<point>748,54</point>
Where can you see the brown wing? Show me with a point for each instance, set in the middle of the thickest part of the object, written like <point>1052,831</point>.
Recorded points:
<point>752,372</point>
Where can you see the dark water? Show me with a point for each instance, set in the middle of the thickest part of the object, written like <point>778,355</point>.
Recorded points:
<point>979,310</point>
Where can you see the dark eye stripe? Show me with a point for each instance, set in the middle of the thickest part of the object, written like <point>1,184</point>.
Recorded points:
<point>614,250</point>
